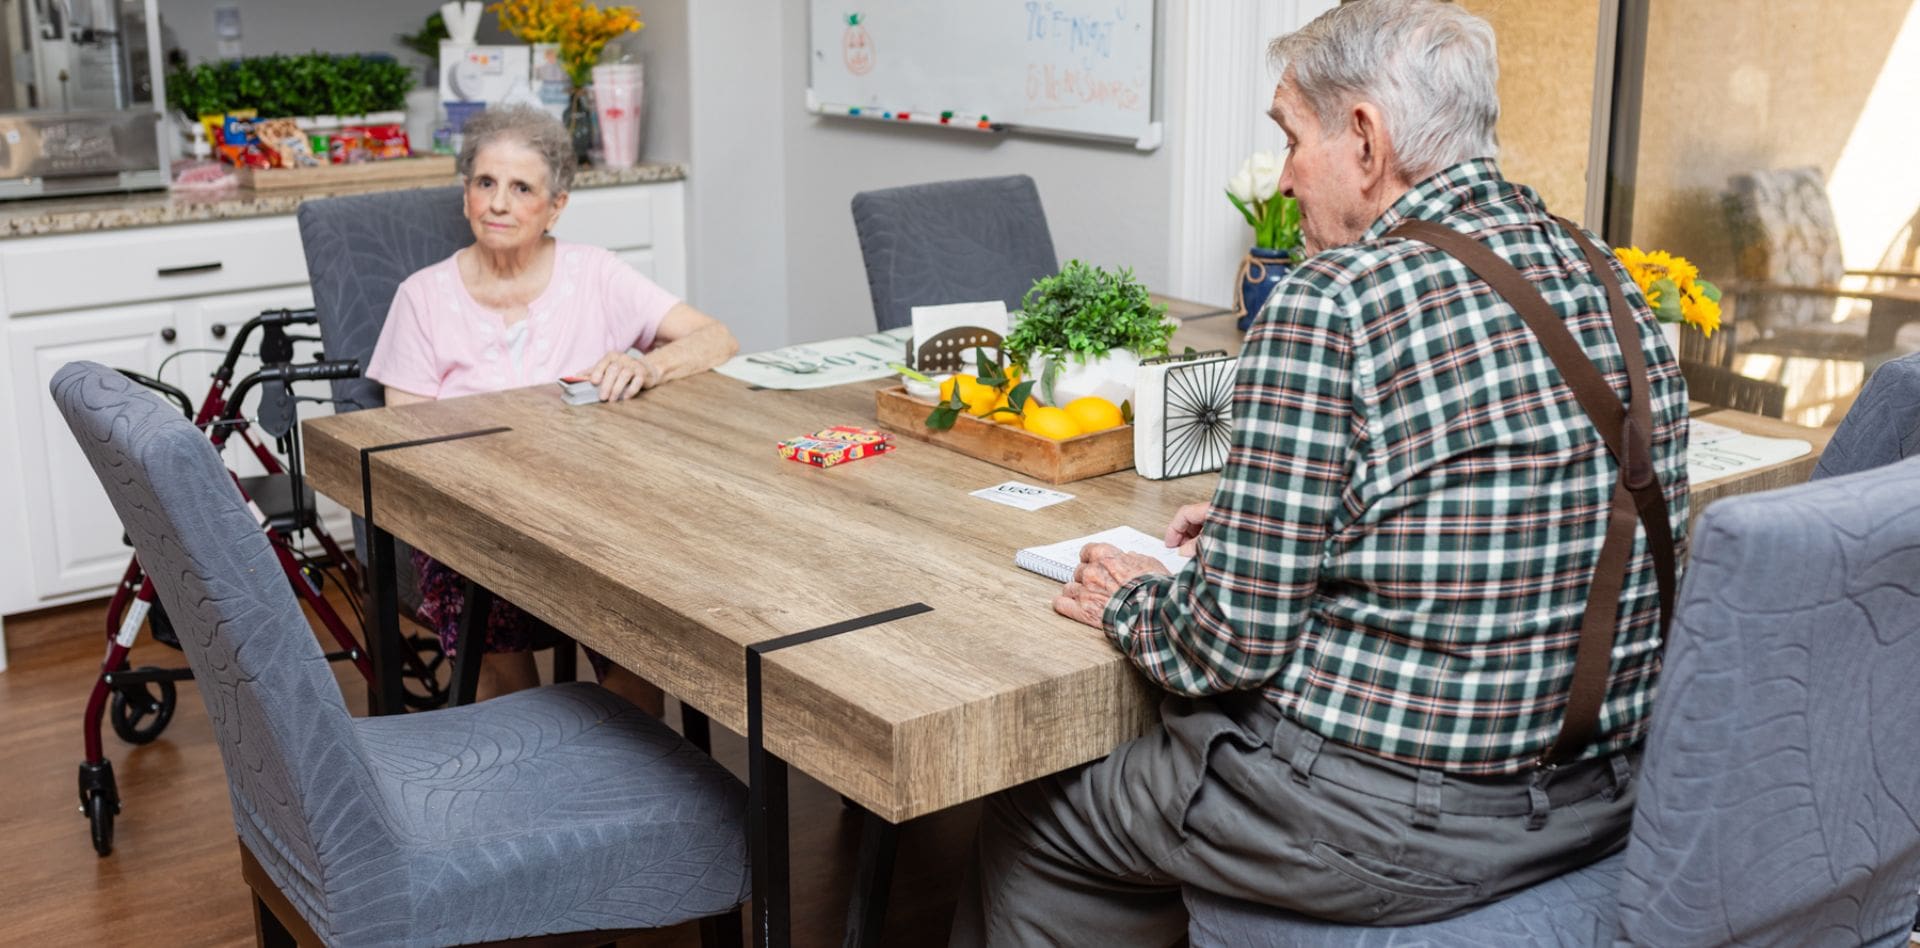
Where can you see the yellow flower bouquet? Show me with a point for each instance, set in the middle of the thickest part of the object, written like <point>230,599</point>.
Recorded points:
<point>1673,288</point>
<point>581,28</point>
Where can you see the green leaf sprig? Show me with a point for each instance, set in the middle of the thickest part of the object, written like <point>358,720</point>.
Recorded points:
<point>1275,221</point>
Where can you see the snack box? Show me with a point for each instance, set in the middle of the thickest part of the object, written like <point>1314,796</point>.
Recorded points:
<point>840,443</point>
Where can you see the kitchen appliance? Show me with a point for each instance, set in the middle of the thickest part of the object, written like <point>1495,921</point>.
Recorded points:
<point>81,97</point>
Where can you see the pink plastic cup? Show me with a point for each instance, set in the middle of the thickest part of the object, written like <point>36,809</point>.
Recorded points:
<point>618,103</point>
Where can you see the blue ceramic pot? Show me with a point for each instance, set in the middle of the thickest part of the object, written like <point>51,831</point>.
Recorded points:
<point>1259,274</point>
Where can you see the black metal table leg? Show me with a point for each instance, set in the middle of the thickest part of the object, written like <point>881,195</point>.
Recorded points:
<point>867,907</point>
<point>695,727</point>
<point>767,787</point>
<point>471,646</point>
<point>766,826</point>
<point>384,695</point>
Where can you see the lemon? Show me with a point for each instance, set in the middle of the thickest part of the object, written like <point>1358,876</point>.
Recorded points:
<point>982,400</point>
<point>1094,413</point>
<point>1052,423</point>
<point>970,388</point>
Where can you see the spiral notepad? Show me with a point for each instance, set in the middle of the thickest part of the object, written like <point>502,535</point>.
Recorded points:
<point>1057,561</point>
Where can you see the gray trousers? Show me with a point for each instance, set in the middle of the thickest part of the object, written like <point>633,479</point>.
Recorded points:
<point>1228,796</point>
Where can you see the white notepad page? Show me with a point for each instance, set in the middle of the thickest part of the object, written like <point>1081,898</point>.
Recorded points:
<point>1057,561</point>
<point>1716,451</point>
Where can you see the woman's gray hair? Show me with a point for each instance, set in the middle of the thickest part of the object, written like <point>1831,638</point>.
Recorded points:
<point>523,125</point>
<point>1431,67</point>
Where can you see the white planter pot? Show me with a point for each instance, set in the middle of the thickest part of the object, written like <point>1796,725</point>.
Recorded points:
<point>1109,377</point>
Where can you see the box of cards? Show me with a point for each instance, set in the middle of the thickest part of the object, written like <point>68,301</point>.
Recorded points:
<point>836,445</point>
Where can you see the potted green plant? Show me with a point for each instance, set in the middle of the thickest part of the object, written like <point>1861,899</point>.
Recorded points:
<point>1084,331</point>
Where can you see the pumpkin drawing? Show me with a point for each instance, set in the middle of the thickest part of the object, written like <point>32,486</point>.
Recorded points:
<point>856,46</point>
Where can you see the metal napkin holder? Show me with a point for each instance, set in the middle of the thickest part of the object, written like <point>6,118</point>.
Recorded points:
<point>942,353</point>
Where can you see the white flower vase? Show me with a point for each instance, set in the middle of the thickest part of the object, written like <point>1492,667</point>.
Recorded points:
<point>1672,331</point>
<point>1109,377</point>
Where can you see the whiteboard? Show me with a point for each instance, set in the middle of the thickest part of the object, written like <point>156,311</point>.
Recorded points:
<point>1082,67</point>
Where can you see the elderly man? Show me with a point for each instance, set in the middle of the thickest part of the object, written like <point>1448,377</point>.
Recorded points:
<point>1411,661</point>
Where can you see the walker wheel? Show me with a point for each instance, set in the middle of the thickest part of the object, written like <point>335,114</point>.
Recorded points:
<point>140,712</point>
<point>425,688</point>
<point>99,803</point>
<point>100,811</point>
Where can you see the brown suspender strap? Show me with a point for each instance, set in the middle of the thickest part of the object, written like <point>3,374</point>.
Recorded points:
<point>1627,432</point>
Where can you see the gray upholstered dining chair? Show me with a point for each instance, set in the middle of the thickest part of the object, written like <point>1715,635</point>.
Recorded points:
<point>550,811</point>
<point>1882,427</point>
<point>1780,795</point>
<point>952,242</point>
<point>359,248</point>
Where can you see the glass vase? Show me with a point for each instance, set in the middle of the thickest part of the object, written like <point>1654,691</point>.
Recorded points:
<point>583,124</point>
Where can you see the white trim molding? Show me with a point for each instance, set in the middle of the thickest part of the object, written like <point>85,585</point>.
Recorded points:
<point>1222,101</point>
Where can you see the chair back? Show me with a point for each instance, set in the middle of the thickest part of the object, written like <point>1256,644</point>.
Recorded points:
<point>1726,388</point>
<point>359,249</point>
<point>1783,232</point>
<point>1780,803</point>
<point>1882,427</point>
<point>952,242</point>
<point>294,761</point>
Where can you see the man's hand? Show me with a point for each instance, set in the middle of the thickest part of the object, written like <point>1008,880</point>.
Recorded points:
<point>1103,569</point>
<point>1184,532</point>
<point>620,376</point>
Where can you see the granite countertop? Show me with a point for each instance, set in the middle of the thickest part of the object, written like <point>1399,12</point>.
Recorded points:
<point>99,212</point>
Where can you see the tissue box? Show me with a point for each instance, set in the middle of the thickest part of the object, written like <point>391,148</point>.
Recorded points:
<point>482,73</point>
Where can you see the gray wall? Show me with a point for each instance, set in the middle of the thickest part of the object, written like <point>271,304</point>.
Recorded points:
<point>1106,204</point>
<point>298,26</point>
<point>736,186</point>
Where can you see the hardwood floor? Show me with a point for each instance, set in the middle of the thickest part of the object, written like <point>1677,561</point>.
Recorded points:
<point>174,875</point>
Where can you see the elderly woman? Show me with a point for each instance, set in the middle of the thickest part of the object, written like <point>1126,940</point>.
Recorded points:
<point>520,308</point>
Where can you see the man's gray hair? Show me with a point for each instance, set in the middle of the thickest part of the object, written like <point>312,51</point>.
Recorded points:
<point>523,125</point>
<point>1429,66</point>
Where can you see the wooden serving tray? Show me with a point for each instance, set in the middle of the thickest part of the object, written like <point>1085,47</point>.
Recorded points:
<point>1055,462</point>
<point>423,167</point>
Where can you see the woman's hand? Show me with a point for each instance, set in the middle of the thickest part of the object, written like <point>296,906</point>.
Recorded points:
<point>1103,569</point>
<point>622,375</point>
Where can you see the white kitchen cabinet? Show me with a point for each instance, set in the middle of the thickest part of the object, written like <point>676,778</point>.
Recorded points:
<point>114,296</point>
<point>71,529</point>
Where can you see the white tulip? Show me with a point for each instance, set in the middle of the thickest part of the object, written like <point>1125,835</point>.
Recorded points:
<point>1241,186</point>
<point>1265,169</point>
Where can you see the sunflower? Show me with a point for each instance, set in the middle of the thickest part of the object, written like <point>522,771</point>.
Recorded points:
<point>1700,310</point>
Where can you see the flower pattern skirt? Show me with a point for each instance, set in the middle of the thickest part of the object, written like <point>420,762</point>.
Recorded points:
<point>443,601</point>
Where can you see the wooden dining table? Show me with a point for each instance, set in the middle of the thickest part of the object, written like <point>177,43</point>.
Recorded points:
<point>864,623</point>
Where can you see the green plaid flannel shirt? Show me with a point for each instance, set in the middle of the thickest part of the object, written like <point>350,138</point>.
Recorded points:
<point>1400,547</point>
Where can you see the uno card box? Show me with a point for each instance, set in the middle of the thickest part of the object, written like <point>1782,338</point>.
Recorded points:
<point>834,445</point>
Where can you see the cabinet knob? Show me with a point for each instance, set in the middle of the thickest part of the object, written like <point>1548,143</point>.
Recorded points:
<point>219,330</point>
<point>168,334</point>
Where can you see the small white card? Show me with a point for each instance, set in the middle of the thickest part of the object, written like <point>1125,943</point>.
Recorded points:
<point>1023,496</point>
